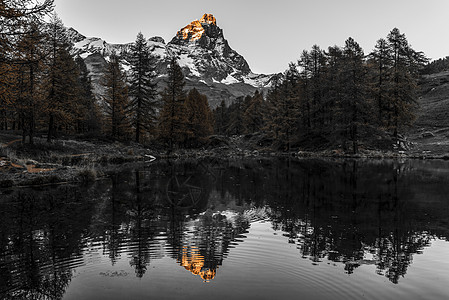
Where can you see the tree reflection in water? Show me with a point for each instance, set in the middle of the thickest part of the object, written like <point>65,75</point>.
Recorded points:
<point>351,212</point>
<point>40,242</point>
<point>360,214</point>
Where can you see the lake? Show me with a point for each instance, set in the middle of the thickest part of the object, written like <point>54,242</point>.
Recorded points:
<point>233,229</point>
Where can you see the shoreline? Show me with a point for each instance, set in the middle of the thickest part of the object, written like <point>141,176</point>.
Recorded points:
<point>85,174</point>
<point>81,162</point>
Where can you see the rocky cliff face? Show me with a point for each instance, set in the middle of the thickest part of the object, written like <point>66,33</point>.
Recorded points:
<point>207,60</point>
<point>212,54</point>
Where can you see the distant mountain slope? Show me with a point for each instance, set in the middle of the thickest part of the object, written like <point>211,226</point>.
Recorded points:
<point>207,60</point>
<point>430,132</point>
<point>434,101</point>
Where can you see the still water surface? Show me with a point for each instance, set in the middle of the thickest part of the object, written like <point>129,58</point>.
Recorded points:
<point>238,229</point>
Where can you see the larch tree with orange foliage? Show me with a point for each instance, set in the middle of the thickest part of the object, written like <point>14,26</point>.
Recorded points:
<point>28,102</point>
<point>61,81</point>
<point>17,18</point>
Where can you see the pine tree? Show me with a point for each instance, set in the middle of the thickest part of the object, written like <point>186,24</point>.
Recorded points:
<point>305,62</point>
<point>284,103</point>
<point>87,112</point>
<point>354,102</point>
<point>403,79</point>
<point>333,85</point>
<point>318,61</point>
<point>290,106</point>
<point>172,118</point>
<point>253,116</point>
<point>142,90</point>
<point>236,110</point>
<point>200,122</point>
<point>221,118</point>
<point>271,113</point>
<point>116,100</point>
<point>381,64</point>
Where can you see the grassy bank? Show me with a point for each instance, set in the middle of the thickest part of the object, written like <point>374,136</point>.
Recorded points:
<point>65,160</point>
<point>83,161</point>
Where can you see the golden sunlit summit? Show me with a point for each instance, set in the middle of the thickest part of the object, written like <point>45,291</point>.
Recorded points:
<point>194,31</point>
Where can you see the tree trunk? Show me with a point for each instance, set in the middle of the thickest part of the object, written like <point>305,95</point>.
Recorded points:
<point>139,108</point>
<point>51,126</point>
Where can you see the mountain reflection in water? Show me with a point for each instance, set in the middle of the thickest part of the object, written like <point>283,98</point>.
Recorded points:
<point>352,213</point>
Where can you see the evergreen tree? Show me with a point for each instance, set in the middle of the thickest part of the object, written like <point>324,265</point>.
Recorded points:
<point>284,103</point>
<point>221,118</point>
<point>403,79</point>
<point>236,110</point>
<point>172,118</point>
<point>381,64</point>
<point>313,65</point>
<point>142,90</point>
<point>271,113</point>
<point>318,61</point>
<point>88,114</point>
<point>305,63</point>
<point>200,120</point>
<point>333,85</point>
<point>116,100</point>
<point>253,116</point>
<point>354,103</point>
<point>290,107</point>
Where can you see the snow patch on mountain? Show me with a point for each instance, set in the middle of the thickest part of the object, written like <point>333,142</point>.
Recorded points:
<point>230,80</point>
<point>188,65</point>
<point>158,48</point>
<point>92,45</point>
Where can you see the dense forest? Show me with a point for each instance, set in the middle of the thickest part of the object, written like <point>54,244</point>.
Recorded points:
<point>336,98</point>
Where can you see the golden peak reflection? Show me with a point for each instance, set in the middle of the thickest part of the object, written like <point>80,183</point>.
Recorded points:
<point>193,262</point>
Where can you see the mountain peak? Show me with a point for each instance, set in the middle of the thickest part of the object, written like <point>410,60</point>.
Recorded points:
<point>209,19</point>
<point>202,43</point>
<point>195,30</point>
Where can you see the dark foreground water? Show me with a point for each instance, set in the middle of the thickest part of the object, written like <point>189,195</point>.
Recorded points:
<point>270,229</point>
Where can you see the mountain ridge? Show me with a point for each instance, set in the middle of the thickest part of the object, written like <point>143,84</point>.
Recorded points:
<point>208,62</point>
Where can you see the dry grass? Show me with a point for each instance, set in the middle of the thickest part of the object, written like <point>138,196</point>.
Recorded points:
<point>88,174</point>
<point>60,161</point>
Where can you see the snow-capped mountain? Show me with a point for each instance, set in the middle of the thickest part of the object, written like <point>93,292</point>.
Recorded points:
<point>208,62</point>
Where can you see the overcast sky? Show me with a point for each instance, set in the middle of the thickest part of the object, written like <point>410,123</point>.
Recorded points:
<point>269,34</point>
